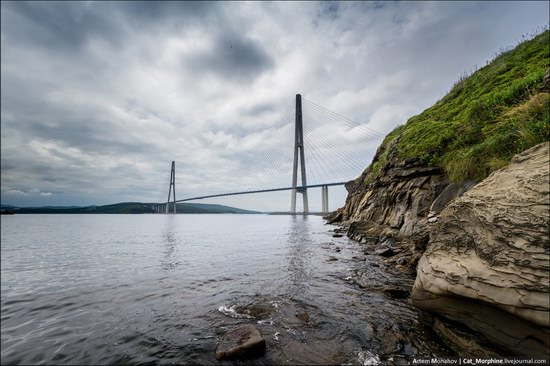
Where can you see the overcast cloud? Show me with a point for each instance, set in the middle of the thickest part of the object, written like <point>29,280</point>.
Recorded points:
<point>99,97</point>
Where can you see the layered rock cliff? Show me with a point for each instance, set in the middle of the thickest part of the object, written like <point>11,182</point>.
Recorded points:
<point>487,263</point>
<point>429,186</point>
<point>399,203</point>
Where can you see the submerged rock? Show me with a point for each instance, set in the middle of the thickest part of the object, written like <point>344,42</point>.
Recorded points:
<point>487,263</point>
<point>242,342</point>
<point>303,317</point>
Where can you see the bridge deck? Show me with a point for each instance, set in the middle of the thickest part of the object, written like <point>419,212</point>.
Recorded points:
<point>259,191</point>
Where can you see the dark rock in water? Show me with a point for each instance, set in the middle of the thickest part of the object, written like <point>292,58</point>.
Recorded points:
<point>396,292</point>
<point>332,259</point>
<point>303,317</point>
<point>384,252</point>
<point>337,235</point>
<point>256,310</point>
<point>242,342</point>
<point>337,249</point>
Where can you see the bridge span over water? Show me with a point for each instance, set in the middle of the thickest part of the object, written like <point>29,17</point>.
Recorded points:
<point>299,172</point>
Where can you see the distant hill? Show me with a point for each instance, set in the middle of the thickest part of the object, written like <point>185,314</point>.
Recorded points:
<point>129,208</point>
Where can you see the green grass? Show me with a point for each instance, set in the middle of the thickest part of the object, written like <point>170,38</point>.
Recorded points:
<point>486,118</point>
<point>382,157</point>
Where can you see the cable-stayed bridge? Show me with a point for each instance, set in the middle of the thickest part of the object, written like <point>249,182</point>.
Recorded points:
<point>305,132</point>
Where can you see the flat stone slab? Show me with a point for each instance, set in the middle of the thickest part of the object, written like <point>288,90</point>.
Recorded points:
<point>242,342</point>
<point>384,252</point>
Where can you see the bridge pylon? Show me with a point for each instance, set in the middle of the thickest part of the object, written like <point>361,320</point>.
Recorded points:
<point>324,199</point>
<point>171,189</point>
<point>299,151</point>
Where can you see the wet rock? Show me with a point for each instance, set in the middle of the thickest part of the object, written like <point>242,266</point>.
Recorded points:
<point>337,235</point>
<point>402,260</point>
<point>390,242</point>
<point>242,342</point>
<point>337,249</point>
<point>396,292</point>
<point>303,317</point>
<point>255,310</point>
<point>414,259</point>
<point>332,259</point>
<point>384,252</point>
<point>421,235</point>
<point>368,250</point>
<point>487,264</point>
<point>462,342</point>
<point>294,352</point>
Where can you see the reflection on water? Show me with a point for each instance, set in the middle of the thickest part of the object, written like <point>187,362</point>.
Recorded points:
<point>163,289</point>
<point>169,243</point>
<point>299,254</point>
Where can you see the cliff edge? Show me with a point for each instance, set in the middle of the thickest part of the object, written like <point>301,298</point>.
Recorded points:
<point>462,190</point>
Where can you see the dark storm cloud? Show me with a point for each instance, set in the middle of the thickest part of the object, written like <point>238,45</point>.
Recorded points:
<point>67,26</point>
<point>259,109</point>
<point>55,25</point>
<point>155,11</point>
<point>231,55</point>
<point>84,128</point>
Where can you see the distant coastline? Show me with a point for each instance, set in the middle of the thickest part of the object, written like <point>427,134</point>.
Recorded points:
<point>125,208</point>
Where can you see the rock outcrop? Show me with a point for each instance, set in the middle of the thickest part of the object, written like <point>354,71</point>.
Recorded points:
<point>487,263</point>
<point>397,204</point>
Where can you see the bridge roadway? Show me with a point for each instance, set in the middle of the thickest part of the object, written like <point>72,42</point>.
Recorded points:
<point>261,191</point>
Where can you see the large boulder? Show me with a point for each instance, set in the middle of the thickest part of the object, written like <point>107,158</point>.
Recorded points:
<point>487,261</point>
<point>242,342</point>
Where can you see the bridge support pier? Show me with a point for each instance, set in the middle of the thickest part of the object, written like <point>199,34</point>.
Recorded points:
<point>324,199</point>
<point>299,150</point>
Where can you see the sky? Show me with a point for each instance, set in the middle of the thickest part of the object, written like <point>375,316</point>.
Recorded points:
<point>97,98</point>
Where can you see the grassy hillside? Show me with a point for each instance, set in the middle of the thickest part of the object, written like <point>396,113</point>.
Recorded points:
<point>486,118</point>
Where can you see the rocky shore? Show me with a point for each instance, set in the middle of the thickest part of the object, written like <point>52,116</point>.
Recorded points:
<point>480,253</point>
<point>487,260</point>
